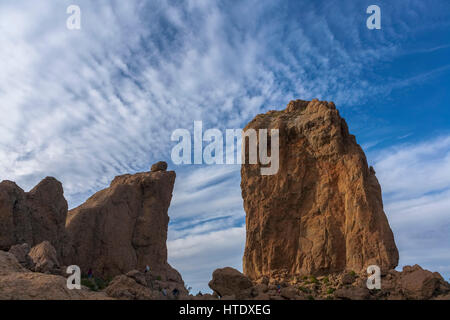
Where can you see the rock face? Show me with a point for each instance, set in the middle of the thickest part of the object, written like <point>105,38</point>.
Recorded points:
<point>33,217</point>
<point>323,211</point>
<point>21,252</point>
<point>124,227</point>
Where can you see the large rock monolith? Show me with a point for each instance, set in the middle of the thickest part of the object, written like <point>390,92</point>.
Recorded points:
<point>322,212</point>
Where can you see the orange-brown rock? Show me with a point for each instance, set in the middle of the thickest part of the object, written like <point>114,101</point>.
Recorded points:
<point>124,227</point>
<point>322,212</point>
<point>44,258</point>
<point>230,282</point>
<point>33,217</point>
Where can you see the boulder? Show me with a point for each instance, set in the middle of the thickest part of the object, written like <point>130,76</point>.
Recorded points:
<point>419,284</point>
<point>126,288</point>
<point>289,293</point>
<point>352,293</point>
<point>228,281</point>
<point>137,276</point>
<point>322,212</point>
<point>45,258</point>
<point>21,252</point>
<point>159,166</point>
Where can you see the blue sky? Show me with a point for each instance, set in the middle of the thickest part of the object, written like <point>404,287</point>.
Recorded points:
<point>86,105</point>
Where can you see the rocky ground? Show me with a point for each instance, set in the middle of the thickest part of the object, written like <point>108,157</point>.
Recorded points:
<point>412,283</point>
<point>20,280</point>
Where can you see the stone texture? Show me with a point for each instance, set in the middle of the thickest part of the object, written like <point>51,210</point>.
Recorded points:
<point>33,217</point>
<point>45,258</point>
<point>355,293</point>
<point>126,288</point>
<point>124,227</point>
<point>418,284</point>
<point>159,166</point>
<point>17,283</point>
<point>21,252</point>
<point>228,282</point>
<point>323,211</point>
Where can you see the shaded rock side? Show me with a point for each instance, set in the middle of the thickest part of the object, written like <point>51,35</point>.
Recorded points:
<point>229,282</point>
<point>123,227</point>
<point>21,252</point>
<point>33,217</point>
<point>322,212</point>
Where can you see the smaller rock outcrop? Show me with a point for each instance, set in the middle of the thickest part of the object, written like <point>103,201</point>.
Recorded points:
<point>126,288</point>
<point>123,227</point>
<point>33,217</point>
<point>159,166</point>
<point>415,283</point>
<point>136,285</point>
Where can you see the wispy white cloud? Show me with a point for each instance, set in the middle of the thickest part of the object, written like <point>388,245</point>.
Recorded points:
<point>199,255</point>
<point>415,179</point>
<point>86,105</point>
<point>411,170</point>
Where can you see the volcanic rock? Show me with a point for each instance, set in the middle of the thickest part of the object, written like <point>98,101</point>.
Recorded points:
<point>21,252</point>
<point>415,283</point>
<point>322,212</point>
<point>126,288</point>
<point>159,166</point>
<point>45,258</point>
<point>33,217</point>
<point>17,283</point>
<point>124,227</point>
<point>228,282</point>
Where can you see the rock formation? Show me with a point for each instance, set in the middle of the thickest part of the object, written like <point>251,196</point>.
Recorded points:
<point>18,283</point>
<point>119,229</point>
<point>124,227</point>
<point>413,283</point>
<point>21,252</point>
<point>323,211</point>
<point>33,217</point>
<point>44,258</point>
<point>229,282</point>
<point>136,285</point>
